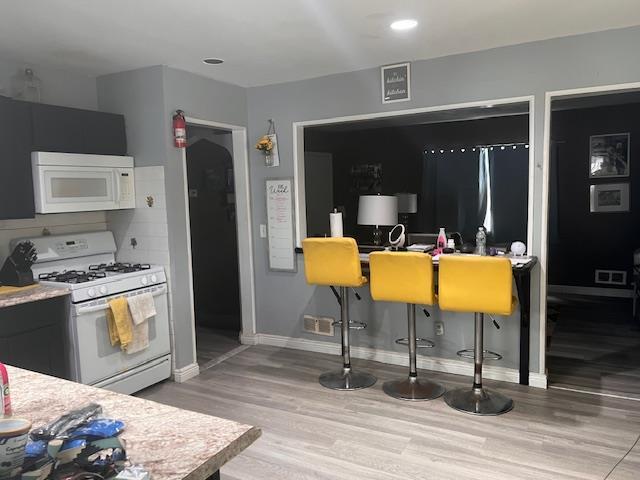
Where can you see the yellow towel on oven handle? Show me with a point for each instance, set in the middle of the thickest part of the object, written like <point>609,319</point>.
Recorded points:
<point>119,322</point>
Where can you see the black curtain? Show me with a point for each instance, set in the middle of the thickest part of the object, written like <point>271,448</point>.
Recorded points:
<point>450,195</point>
<point>510,193</point>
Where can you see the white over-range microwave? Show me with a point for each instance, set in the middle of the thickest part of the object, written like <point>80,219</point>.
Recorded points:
<point>73,182</point>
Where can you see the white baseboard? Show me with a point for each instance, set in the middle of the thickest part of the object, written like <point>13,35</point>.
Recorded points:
<point>249,339</point>
<point>436,364</point>
<point>183,374</point>
<point>591,291</point>
<point>538,380</point>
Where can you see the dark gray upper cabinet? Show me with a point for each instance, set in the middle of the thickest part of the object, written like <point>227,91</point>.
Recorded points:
<point>16,184</point>
<point>70,130</point>
<point>28,127</point>
<point>103,133</point>
<point>56,129</point>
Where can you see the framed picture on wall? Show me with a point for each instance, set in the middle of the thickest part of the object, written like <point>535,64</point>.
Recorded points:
<point>609,197</point>
<point>396,83</point>
<point>609,155</point>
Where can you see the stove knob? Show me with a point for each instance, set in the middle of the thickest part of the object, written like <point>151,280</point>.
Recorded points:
<point>91,292</point>
<point>154,279</point>
<point>144,280</point>
<point>103,290</point>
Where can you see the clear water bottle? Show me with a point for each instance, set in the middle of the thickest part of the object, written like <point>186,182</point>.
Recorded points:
<point>481,241</point>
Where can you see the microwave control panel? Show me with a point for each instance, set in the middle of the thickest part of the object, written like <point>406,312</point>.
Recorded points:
<point>126,186</point>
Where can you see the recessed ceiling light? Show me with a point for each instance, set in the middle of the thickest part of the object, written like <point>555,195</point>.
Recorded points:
<point>405,24</point>
<point>212,61</point>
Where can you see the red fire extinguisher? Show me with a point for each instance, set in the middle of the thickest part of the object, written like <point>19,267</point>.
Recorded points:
<point>179,129</point>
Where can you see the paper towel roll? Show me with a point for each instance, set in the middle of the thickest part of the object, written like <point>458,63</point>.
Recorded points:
<point>335,220</point>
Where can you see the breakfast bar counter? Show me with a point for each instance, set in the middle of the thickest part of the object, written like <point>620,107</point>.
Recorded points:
<point>522,268</point>
<point>171,444</point>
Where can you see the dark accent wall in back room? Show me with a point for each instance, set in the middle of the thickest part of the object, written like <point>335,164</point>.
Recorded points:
<point>580,241</point>
<point>400,151</point>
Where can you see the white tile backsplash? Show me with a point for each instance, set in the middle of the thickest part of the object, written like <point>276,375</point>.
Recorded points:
<point>55,223</point>
<point>147,224</point>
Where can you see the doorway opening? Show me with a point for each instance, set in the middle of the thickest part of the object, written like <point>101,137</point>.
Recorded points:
<point>214,242</point>
<point>593,274</point>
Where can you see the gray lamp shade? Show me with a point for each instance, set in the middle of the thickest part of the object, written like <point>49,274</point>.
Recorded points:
<point>407,202</point>
<point>378,210</point>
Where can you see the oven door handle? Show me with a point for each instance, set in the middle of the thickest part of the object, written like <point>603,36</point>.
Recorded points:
<point>103,306</point>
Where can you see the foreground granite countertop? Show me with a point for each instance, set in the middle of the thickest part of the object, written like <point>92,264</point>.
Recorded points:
<point>171,443</point>
<point>32,293</point>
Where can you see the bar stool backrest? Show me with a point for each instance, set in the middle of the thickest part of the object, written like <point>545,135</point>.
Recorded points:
<point>469,283</point>
<point>332,261</point>
<point>405,277</point>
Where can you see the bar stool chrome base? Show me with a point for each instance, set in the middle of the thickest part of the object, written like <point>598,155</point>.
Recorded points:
<point>346,379</point>
<point>478,401</point>
<point>413,388</point>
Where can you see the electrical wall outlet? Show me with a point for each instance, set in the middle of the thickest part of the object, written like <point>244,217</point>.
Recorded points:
<point>318,325</point>
<point>263,230</point>
<point>439,327</point>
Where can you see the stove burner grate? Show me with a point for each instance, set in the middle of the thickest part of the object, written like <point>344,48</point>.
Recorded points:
<point>119,267</point>
<point>71,276</point>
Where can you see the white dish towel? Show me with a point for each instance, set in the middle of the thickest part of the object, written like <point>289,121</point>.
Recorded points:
<point>142,308</point>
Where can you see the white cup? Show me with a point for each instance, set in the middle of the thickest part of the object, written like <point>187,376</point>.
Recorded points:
<point>13,439</point>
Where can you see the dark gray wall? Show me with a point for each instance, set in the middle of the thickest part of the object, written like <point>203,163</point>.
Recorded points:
<point>436,178</point>
<point>588,241</point>
<point>528,69</point>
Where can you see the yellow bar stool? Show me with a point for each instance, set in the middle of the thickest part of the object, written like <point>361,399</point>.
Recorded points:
<point>468,283</point>
<point>336,262</point>
<point>406,277</point>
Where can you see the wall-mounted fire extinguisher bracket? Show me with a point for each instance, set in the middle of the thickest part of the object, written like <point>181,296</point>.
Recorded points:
<point>179,130</point>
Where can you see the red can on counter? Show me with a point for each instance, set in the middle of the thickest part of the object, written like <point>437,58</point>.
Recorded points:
<point>5,397</point>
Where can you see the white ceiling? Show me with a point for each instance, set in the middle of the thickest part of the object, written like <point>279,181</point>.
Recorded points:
<point>271,41</point>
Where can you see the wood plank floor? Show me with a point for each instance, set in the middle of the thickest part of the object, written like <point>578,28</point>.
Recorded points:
<point>596,347</point>
<point>310,432</point>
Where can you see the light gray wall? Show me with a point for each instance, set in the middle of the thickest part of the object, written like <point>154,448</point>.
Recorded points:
<point>139,96</point>
<point>204,99</point>
<point>59,86</point>
<point>529,69</point>
<point>148,98</point>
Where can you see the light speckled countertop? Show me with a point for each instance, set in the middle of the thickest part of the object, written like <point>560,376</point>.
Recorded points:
<point>171,443</point>
<point>31,294</point>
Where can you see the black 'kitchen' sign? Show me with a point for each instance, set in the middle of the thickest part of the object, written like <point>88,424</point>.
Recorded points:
<point>396,83</point>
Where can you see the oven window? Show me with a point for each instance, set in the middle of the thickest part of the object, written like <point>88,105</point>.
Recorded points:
<point>65,187</point>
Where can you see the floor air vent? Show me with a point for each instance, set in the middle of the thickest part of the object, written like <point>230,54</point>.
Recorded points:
<point>611,277</point>
<point>318,325</point>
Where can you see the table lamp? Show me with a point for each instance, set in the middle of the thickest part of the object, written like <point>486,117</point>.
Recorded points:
<point>407,203</point>
<point>378,210</point>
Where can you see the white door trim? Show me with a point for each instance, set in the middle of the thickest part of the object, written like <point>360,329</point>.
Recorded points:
<point>298,151</point>
<point>544,230</point>
<point>243,223</point>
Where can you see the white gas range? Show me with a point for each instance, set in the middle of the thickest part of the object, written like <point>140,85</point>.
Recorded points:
<point>85,263</point>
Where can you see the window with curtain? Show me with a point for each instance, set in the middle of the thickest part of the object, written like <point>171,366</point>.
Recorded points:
<point>470,187</point>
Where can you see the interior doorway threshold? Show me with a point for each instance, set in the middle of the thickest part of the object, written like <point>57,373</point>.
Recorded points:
<point>598,393</point>
<point>218,360</point>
